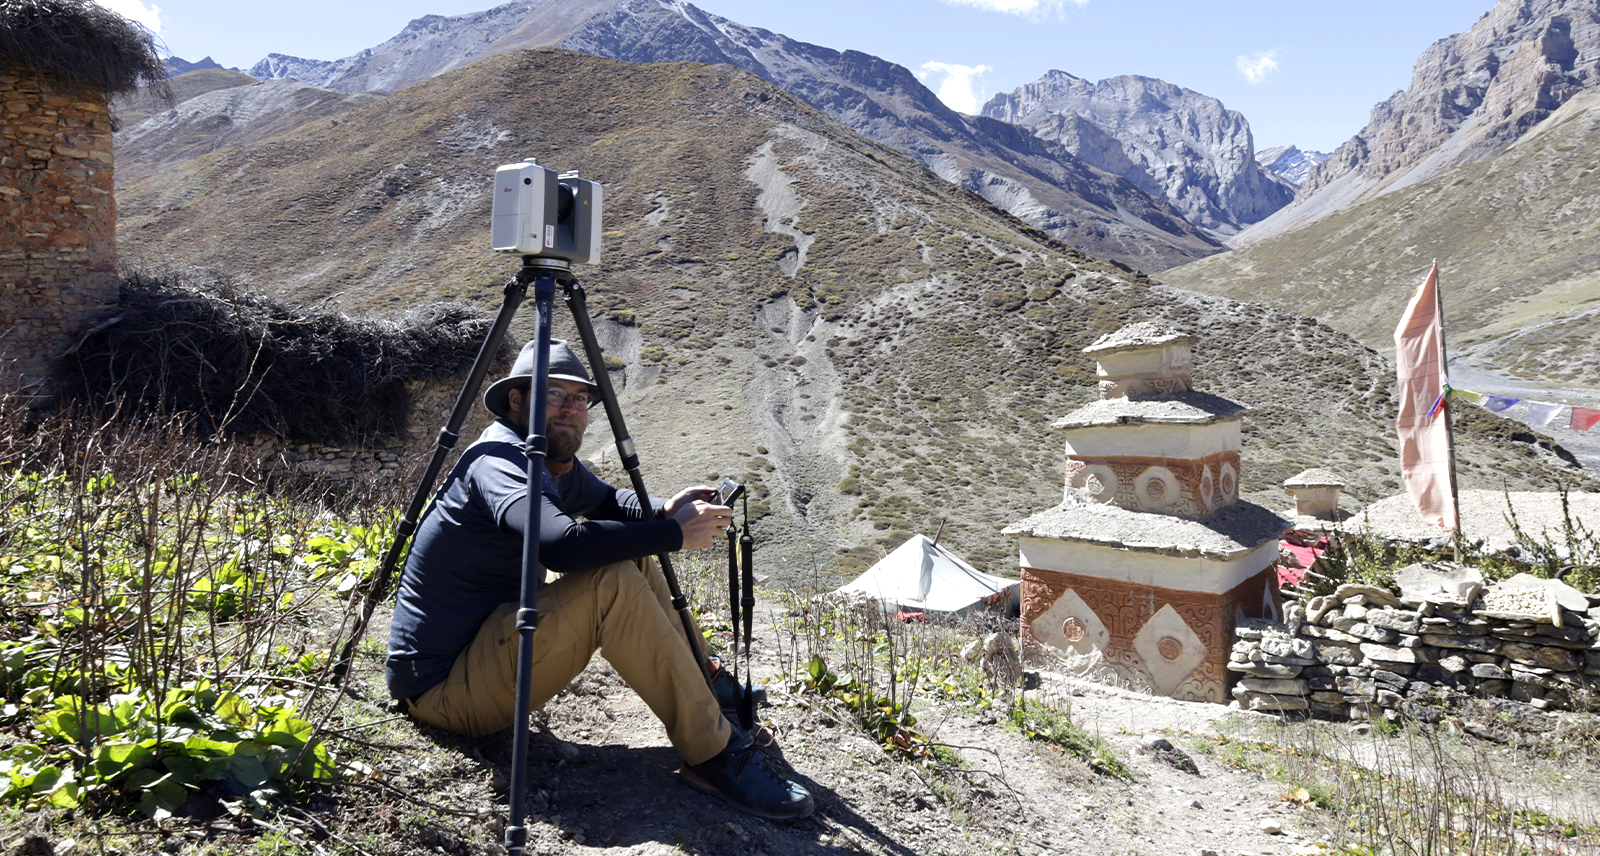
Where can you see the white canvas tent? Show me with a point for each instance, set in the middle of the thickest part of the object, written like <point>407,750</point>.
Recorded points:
<point>921,576</point>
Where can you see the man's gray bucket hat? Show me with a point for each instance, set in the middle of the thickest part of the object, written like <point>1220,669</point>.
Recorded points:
<point>564,365</point>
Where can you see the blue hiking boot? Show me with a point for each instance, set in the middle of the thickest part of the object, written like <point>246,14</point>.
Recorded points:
<point>730,695</point>
<point>744,777</point>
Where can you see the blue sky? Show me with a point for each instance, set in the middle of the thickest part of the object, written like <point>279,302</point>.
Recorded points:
<point>1300,72</point>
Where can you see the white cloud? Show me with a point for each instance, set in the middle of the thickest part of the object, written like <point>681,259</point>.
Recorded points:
<point>955,84</point>
<point>1034,9</point>
<point>134,10</point>
<point>1257,67</point>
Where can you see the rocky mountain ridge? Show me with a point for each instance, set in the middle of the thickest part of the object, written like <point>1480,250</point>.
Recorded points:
<point>1173,142</point>
<point>178,65</point>
<point>870,347</point>
<point>1471,95</point>
<point>1102,213</point>
<point>227,108</point>
<point>130,109</point>
<point>1290,163</point>
<point>1517,237</point>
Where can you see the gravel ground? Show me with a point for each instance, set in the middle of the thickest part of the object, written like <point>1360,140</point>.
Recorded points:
<point>1484,517</point>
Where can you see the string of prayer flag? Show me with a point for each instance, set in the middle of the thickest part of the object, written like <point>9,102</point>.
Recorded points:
<point>1540,413</point>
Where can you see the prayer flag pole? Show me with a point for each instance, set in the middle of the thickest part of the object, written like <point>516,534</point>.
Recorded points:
<point>1449,427</point>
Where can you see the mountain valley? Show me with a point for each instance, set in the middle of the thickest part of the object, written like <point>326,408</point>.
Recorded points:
<point>873,348</point>
<point>1131,218</point>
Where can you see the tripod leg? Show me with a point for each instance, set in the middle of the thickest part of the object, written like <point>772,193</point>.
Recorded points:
<point>516,835</point>
<point>577,302</point>
<point>747,703</point>
<point>516,290</point>
<point>733,599</point>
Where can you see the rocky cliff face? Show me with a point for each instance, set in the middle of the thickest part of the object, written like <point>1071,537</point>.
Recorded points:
<point>1044,185</point>
<point>316,72</point>
<point>1471,95</point>
<point>1290,163</point>
<point>1516,236</point>
<point>1171,141</point>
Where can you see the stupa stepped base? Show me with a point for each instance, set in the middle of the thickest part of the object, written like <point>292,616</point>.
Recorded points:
<point>1173,642</point>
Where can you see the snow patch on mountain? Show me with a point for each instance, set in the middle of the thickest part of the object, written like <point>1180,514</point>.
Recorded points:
<point>1290,163</point>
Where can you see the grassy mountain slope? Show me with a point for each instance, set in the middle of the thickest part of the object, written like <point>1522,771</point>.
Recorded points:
<point>1043,183</point>
<point>1518,243</point>
<point>135,107</point>
<point>231,113</point>
<point>871,347</point>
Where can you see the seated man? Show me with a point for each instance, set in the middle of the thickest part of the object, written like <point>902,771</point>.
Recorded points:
<point>453,642</point>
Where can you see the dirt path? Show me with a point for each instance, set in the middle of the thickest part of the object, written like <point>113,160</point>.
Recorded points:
<point>603,778</point>
<point>606,784</point>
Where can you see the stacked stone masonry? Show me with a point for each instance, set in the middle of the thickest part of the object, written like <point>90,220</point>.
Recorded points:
<point>57,222</point>
<point>399,457</point>
<point>1361,653</point>
<point>331,464</point>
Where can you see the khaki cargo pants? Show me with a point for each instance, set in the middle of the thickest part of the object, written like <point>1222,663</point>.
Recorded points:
<point>622,610</point>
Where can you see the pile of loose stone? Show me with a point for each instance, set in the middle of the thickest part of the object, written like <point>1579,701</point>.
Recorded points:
<point>1362,651</point>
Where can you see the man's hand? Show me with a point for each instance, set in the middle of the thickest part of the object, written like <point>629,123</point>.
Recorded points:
<point>702,522</point>
<point>686,496</point>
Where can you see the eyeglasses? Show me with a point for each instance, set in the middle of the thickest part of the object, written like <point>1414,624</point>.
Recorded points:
<point>558,397</point>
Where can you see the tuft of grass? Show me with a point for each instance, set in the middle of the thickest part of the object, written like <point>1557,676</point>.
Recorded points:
<point>230,361</point>
<point>1038,720</point>
<point>1406,789</point>
<point>82,45</point>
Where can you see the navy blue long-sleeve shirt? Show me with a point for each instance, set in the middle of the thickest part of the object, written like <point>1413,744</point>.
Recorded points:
<point>466,558</point>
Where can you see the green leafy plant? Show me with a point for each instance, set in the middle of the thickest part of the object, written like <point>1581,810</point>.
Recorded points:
<point>156,753</point>
<point>154,603</point>
<point>347,552</point>
<point>886,721</point>
<point>1571,555</point>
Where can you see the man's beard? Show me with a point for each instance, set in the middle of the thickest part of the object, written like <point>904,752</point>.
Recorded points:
<point>562,447</point>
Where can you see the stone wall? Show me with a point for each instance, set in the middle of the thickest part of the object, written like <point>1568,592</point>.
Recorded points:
<point>391,458</point>
<point>1362,652</point>
<point>58,252</point>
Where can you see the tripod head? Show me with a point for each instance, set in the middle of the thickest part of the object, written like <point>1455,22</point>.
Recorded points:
<point>535,266</point>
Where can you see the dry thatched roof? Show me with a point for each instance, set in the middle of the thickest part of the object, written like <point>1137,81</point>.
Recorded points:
<point>80,44</point>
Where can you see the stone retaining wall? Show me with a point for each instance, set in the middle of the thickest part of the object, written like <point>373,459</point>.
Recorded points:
<point>1361,652</point>
<point>58,251</point>
<point>396,457</point>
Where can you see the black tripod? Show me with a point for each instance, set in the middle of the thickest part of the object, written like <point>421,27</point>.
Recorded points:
<point>545,275</point>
